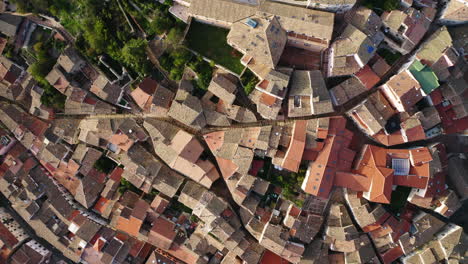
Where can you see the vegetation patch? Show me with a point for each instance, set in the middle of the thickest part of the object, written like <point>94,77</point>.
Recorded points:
<point>127,186</point>
<point>177,207</point>
<point>389,56</point>
<point>100,27</point>
<point>104,164</point>
<point>45,61</point>
<point>289,182</point>
<point>399,197</point>
<point>210,41</point>
<point>204,72</point>
<point>379,6</point>
<point>249,81</point>
<point>174,62</point>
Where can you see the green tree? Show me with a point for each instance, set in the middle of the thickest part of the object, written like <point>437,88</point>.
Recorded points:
<point>53,98</point>
<point>96,35</point>
<point>161,23</point>
<point>176,73</point>
<point>134,55</point>
<point>175,35</point>
<point>390,5</point>
<point>44,63</point>
<point>180,56</point>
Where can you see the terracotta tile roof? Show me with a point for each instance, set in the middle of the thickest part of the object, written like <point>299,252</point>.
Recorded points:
<point>419,156</point>
<point>141,97</point>
<point>332,157</point>
<point>101,205</point>
<point>271,258</point>
<point>130,225</point>
<point>159,204</point>
<point>293,155</point>
<point>148,85</point>
<point>267,99</point>
<point>416,133</point>
<point>122,141</point>
<point>214,140</point>
<point>140,209</point>
<point>7,237</point>
<point>116,174</point>
<point>162,233</point>
<point>368,77</point>
<point>355,182</point>
<point>391,255</point>
<point>380,67</point>
<point>372,165</point>
<point>406,88</point>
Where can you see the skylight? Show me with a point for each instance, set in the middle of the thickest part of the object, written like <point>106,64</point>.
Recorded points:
<point>401,166</point>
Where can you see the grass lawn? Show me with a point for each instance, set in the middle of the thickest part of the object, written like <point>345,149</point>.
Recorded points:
<point>210,42</point>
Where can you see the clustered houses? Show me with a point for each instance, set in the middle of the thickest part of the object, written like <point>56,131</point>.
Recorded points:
<point>152,97</point>
<point>217,107</point>
<point>58,204</point>
<point>105,190</point>
<point>261,32</point>
<point>87,89</point>
<point>12,234</point>
<point>342,236</point>
<point>414,236</point>
<point>181,151</point>
<point>411,105</point>
<point>404,29</point>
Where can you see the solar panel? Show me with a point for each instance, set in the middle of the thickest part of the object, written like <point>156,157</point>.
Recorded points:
<point>401,166</point>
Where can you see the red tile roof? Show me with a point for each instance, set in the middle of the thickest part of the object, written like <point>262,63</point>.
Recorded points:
<point>271,258</point>
<point>162,234</point>
<point>391,255</point>
<point>267,99</point>
<point>368,77</point>
<point>7,237</point>
<point>148,85</point>
<point>355,182</point>
<point>372,165</point>
<point>255,167</point>
<point>116,174</point>
<point>295,150</point>
<point>419,156</point>
<point>415,133</point>
<point>227,167</point>
<point>332,157</point>
<point>101,205</point>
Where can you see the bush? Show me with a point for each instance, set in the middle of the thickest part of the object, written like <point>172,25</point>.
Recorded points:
<point>53,98</point>
<point>161,23</point>
<point>382,5</point>
<point>175,35</point>
<point>204,72</point>
<point>127,186</point>
<point>134,55</point>
<point>249,81</point>
<point>104,164</point>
